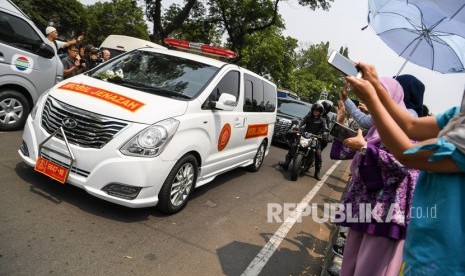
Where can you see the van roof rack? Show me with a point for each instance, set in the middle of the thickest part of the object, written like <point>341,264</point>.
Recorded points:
<point>200,48</point>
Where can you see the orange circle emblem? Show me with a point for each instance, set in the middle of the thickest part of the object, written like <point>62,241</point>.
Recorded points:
<point>225,134</point>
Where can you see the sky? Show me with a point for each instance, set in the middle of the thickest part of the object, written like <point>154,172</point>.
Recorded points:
<point>341,26</point>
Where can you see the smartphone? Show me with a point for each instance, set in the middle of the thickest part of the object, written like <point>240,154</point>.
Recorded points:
<point>356,102</point>
<point>343,64</point>
<point>341,132</point>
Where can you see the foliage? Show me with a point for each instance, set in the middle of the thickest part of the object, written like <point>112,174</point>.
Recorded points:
<point>241,18</point>
<point>162,28</point>
<point>269,53</point>
<point>120,17</point>
<point>314,75</point>
<point>196,27</point>
<point>315,4</point>
<point>68,16</point>
<point>237,19</point>
<point>97,21</point>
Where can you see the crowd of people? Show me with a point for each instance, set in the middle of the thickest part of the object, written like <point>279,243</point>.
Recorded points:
<point>405,159</point>
<point>77,57</point>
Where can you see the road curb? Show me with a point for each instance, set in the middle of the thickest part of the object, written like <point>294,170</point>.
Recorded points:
<point>331,257</point>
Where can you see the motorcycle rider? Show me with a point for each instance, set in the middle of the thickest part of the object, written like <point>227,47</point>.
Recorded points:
<point>327,106</point>
<point>314,123</point>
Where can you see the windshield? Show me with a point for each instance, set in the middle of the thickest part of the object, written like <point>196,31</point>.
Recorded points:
<point>158,74</point>
<point>293,109</point>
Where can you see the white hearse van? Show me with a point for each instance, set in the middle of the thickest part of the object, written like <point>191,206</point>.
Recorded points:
<point>28,66</point>
<point>147,127</point>
<point>118,44</point>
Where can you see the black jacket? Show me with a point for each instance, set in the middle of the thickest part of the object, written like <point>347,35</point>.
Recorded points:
<point>314,125</point>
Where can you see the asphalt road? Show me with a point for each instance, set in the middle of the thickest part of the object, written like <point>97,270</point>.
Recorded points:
<point>47,228</point>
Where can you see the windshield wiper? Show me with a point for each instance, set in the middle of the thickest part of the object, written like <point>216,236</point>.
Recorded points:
<point>166,92</point>
<point>144,87</point>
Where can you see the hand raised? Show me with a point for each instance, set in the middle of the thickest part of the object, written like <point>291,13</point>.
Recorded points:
<point>355,143</point>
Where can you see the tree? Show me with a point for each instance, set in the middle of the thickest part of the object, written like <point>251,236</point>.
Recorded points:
<point>236,18</point>
<point>241,18</point>
<point>68,16</point>
<point>314,75</point>
<point>121,17</point>
<point>163,28</point>
<point>196,27</point>
<point>269,53</point>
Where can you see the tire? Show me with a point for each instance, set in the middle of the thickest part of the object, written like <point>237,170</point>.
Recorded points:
<point>184,173</point>
<point>258,159</point>
<point>296,166</point>
<point>308,163</point>
<point>14,109</point>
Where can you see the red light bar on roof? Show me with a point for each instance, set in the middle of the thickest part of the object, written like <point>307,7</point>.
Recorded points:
<point>203,48</point>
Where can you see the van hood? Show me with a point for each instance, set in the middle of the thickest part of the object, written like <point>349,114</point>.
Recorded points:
<point>117,101</point>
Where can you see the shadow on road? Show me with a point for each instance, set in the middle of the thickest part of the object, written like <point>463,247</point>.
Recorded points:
<point>284,261</point>
<point>57,193</point>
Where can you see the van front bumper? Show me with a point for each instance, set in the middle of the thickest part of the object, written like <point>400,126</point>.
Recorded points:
<point>95,169</point>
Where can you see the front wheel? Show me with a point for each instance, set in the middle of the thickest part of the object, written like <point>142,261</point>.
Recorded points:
<point>178,185</point>
<point>14,108</point>
<point>258,160</point>
<point>308,163</point>
<point>297,166</point>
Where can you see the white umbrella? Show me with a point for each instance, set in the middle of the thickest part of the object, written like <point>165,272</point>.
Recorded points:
<point>428,33</point>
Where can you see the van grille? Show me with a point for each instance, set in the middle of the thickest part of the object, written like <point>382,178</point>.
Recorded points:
<point>92,130</point>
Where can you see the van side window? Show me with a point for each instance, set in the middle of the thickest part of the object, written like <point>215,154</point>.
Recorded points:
<point>260,96</point>
<point>229,84</point>
<point>269,94</point>
<point>17,33</point>
<point>248,96</point>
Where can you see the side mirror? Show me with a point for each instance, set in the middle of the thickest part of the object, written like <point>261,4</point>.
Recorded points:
<point>226,102</point>
<point>46,51</point>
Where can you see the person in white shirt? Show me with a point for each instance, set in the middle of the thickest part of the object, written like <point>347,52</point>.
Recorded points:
<point>56,44</point>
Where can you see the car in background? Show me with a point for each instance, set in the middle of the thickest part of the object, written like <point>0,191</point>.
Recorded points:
<point>118,44</point>
<point>287,94</point>
<point>288,109</point>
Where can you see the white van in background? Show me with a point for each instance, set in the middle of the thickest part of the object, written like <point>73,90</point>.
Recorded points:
<point>118,44</point>
<point>147,127</point>
<point>28,66</point>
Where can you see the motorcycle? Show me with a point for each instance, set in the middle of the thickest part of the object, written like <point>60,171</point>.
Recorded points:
<point>304,155</point>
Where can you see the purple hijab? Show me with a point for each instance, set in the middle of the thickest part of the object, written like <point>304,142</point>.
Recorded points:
<point>396,92</point>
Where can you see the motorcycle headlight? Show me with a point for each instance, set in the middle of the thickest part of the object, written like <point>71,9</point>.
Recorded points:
<point>304,143</point>
<point>151,141</point>
<point>39,102</point>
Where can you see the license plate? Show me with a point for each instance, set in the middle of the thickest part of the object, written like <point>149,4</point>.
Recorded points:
<point>51,170</point>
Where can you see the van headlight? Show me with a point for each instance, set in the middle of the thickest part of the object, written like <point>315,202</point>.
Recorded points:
<point>39,102</point>
<point>151,141</point>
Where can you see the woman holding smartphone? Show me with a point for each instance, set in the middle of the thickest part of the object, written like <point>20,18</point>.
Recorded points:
<point>382,185</point>
<point>434,244</point>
